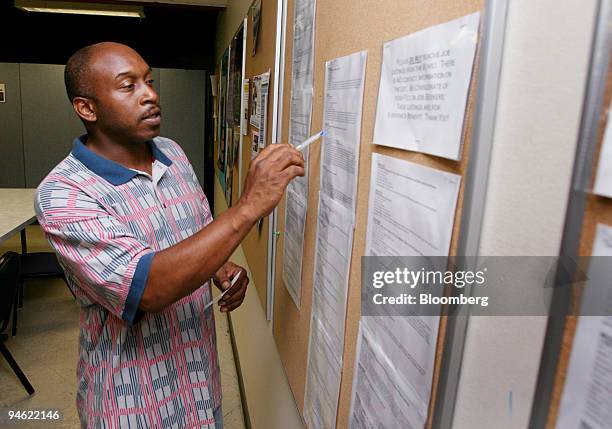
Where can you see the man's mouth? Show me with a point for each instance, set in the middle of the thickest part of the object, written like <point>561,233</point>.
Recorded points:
<point>152,117</point>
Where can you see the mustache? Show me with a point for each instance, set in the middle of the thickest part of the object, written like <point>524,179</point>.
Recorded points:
<point>151,111</point>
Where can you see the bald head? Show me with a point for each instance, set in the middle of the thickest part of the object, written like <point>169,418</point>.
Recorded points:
<point>78,72</point>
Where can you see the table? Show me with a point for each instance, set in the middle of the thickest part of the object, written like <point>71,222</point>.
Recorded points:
<point>16,212</point>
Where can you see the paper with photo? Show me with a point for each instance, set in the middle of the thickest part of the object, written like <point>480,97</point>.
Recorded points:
<point>244,119</point>
<point>254,144</point>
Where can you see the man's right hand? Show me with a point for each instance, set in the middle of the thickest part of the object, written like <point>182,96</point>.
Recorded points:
<point>180,269</point>
<point>268,176</point>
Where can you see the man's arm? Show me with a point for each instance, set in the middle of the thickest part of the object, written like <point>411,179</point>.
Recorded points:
<point>180,269</point>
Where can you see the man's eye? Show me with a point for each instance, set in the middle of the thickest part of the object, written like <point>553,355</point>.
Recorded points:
<point>150,81</point>
<point>128,86</point>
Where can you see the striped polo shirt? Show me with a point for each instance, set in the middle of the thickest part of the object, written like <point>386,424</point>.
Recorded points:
<point>106,221</point>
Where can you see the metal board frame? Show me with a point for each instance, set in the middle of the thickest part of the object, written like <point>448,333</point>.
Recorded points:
<point>277,123</point>
<point>579,192</point>
<point>493,31</point>
<point>242,106</point>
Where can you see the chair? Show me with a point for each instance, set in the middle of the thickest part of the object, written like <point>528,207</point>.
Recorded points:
<point>37,265</point>
<point>10,265</point>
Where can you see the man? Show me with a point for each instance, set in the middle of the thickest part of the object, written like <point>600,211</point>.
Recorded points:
<point>134,234</point>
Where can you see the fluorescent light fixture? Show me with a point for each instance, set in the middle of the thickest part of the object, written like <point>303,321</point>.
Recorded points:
<point>86,8</point>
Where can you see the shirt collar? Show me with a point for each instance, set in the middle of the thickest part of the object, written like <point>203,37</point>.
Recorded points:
<point>111,171</point>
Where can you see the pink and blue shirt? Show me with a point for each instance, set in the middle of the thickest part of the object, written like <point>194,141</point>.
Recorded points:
<point>106,221</point>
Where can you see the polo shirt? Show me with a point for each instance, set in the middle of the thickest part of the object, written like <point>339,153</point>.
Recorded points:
<point>106,221</point>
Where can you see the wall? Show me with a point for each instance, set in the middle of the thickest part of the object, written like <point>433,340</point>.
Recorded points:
<point>182,96</point>
<point>539,109</point>
<point>11,138</point>
<point>48,120</point>
<point>39,123</point>
<point>267,394</point>
<point>228,22</point>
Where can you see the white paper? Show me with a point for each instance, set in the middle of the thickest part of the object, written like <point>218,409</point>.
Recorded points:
<point>424,84</point>
<point>299,131</point>
<point>344,83</point>
<point>334,243</point>
<point>293,249</point>
<point>330,285</point>
<point>300,116</point>
<point>587,395</point>
<point>381,399</point>
<point>303,43</point>
<point>322,381</point>
<point>342,111</point>
<point>603,180</point>
<point>411,209</point>
<point>411,212</point>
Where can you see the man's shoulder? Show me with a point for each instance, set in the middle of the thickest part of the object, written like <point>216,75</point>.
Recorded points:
<point>169,147</point>
<point>64,183</point>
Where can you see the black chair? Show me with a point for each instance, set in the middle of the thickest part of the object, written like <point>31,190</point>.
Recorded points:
<point>37,265</point>
<point>9,284</point>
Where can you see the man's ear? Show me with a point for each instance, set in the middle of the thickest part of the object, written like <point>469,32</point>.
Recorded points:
<point>85,108</point>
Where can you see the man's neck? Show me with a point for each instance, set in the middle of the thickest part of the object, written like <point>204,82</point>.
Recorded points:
<point>136,156</point>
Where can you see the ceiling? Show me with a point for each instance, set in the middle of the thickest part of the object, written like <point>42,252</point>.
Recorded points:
<point>197,3</point>
<point>169,36</point>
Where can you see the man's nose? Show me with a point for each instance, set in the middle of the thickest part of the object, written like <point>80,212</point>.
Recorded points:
<point>149,95</point>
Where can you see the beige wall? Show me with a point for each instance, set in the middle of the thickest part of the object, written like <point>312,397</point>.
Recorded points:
<point>538,115</point>
<point>228,22</point>
<point>268,397</point>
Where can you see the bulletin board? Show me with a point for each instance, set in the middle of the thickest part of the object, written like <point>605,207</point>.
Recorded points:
<point>585,211</point>
<point>344,27</point>
<point>220,151</point>
<point>255,244</point>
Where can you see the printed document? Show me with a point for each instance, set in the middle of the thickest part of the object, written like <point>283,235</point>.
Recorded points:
<point>424,84</point>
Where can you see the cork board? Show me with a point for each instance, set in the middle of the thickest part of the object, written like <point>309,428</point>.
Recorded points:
<point>344,27</point>
<point>597,210</point>
<point>255,244</point>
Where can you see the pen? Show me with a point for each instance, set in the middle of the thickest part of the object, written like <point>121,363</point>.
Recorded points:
<point>310,140</point>
<point>234,280</point>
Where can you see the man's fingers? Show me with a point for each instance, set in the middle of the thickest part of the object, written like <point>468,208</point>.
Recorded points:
<point>283,160</point>
<point>231,307</point>
<point>237,293</point>
<point>268,150</point>
<point>233,295</point>
<point>292,172</point>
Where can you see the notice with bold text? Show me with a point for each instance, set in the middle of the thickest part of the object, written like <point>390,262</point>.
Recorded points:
<point>424,84</point>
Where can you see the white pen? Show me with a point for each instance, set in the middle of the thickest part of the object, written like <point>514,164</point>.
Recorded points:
<point>311,140</point>
<point>234,280</point>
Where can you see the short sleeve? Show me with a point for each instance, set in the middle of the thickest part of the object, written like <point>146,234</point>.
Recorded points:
<point>108,263</point>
